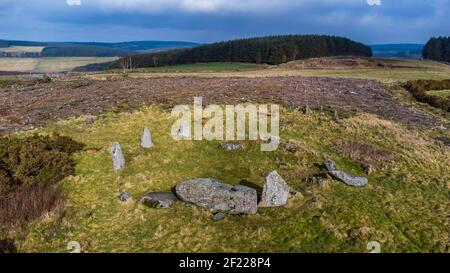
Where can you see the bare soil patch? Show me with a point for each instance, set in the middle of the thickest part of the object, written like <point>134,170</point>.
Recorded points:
<point>27,106</point>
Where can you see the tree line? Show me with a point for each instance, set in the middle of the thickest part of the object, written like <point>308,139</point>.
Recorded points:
<point>3,44</point>
<point>272,50</point>
<point>437,49</point>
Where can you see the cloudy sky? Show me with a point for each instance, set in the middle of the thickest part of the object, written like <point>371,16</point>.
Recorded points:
<point>394,21</point>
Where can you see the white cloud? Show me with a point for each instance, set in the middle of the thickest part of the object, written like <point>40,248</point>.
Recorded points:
<point>208,6</point>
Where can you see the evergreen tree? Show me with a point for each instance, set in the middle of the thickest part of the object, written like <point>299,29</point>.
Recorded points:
<point>272,50</point>
<point>437,49</point>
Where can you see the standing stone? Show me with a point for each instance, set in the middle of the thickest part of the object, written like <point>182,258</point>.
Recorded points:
<point>159,200</point>
<point>215,196</point>
<point>348,179</point>
<point>146,139</point>
<point>307,109</point>
<point>117,157</point>
<point>89,120</point>
<point>336,116</point>
<point>275,191</point>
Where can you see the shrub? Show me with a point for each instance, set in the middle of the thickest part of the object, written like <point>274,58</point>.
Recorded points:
<point>35,160</point>
<point>7,246</point>
<point>30,169</point>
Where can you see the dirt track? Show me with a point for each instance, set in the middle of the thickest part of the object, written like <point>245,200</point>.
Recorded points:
<point>25,107</point>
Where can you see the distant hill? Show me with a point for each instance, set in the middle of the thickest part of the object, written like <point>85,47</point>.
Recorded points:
<point>270,50</point>
<point>93,49</point>
<point>438,49</point>
<point>143,46</point>
<point>3,44</point>
<point>24,43</point>
<point>402,51</point>
<point>79,50</point>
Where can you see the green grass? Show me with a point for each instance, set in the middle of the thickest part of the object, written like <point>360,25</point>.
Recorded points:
<point>202,67</point>
<point>440,93</point>
<point>404,207</point>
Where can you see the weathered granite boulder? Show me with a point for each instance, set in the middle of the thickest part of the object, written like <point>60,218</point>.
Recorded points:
<point>125,197</point>
<point>215,196</point>
<point>117,157</point>
<point>159,200</point>
<point>275,191</point>
<point>231,146</point>
<point>348,179</point>
<point>146,139</point>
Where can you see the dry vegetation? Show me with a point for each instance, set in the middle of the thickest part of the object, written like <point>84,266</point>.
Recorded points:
<point>370,157</point>
<point>29,106</point>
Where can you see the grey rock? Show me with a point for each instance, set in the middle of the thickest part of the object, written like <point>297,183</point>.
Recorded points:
<point>336,116</point>
<point>331,166</point>
<point>117,157</point>
<point>275,191</point>
<point>215,196</point>
<point>348,179</point>
<point>231,146</point>
<point>159,200</point>
<point>125,197</point>
<point>146,139</point>
<point>218,216</point>
<point>289,147</point>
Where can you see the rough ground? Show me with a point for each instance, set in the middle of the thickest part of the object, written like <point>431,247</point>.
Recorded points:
<point>25,106</point>
<point>345,63</point>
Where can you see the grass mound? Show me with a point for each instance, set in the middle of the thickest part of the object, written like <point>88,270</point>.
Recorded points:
<point>421,91</point>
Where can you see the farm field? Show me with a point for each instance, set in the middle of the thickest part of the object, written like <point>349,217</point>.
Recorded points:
<point>48,64</point>
<point>22,49</point>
